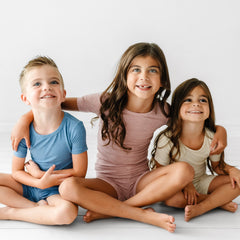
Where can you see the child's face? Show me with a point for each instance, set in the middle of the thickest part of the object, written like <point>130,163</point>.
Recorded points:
<point>195,107</point>
<point>143,78</point>
<point>43,88</point>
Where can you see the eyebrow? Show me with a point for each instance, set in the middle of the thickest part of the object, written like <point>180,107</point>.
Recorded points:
<point>51,78</point>
<point>153,66</point>
<point>190,95</point>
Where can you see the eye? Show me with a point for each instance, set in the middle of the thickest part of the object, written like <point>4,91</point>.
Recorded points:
<point>136,69</point>
<point>187,100</point>
<point>54,82</point>
<point>36,84</point>
<point>203,100</point>
<point>153,70</point>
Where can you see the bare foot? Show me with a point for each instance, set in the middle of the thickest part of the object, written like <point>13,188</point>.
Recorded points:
<point>231,207</point>
<point>158,219</point>
<point>191,211</point>
<point>162,220</point>
<point>91,216</point>
<point>169,224</point>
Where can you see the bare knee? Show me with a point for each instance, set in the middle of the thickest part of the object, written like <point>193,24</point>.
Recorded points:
<point>66,213</point>
<point>68,187</point>
<point>184,173</point>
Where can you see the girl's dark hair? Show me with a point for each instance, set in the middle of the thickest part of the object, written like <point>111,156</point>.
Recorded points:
<point>174,129</point>
<point>115,97</point>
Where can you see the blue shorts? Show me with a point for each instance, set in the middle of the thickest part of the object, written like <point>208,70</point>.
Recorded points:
<point>37,194</point>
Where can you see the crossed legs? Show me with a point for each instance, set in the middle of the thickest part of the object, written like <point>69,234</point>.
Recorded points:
<point>100,198</point>
<point>221,194</point>
<point>56,211</point>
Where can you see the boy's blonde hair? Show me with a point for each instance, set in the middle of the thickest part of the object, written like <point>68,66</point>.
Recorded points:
<point>38,62</point>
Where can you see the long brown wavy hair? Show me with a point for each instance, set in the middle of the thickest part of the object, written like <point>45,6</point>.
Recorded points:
<point>114,99</point>
<point>174,129</point>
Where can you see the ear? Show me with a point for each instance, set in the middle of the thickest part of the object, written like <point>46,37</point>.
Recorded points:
<point>24,99</point>
<point>64,95</point>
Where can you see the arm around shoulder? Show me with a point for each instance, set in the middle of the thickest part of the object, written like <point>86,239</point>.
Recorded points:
<point>70,104</point>
<point>219,141</point>
<point>21,130</point>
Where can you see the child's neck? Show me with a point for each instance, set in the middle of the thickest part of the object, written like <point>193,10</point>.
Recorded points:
<point>139,106</point>
<point>46,122</point>
<point>192,135</point>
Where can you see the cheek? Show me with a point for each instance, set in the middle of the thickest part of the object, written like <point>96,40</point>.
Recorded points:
<point>181,112</point>
<point>130,82</point>
<point>208,113</point>
<point>157,83</point>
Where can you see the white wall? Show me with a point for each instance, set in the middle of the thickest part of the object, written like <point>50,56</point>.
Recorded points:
<point>200,39</point>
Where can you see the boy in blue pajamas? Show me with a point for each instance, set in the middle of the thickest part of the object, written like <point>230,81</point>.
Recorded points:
<point>58,150</point>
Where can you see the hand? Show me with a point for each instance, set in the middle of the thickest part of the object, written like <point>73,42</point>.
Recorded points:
<point>33,169</point>
<point>20,132</point>
<point>234,175</point>
<point>219,141</point>
<point>190,194</point>
<point>50,179</point>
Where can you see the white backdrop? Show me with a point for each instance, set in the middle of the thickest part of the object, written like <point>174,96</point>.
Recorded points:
<point>200,38</point>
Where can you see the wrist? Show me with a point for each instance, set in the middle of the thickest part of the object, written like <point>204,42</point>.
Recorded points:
<point>39,184</point>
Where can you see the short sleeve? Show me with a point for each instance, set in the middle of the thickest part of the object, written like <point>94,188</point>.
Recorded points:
<point>22,150</point>
<point>89,103</point>
<point>162,151</point>
<point>215,158</point>
<point>79,144</point>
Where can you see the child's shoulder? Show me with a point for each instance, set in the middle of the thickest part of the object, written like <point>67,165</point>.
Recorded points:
<point>164,138</point>
<point>70,119</point>
<point>72,126</point>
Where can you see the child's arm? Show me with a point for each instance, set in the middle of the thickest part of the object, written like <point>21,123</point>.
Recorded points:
<point>80,163</point>
<point>233,173</point>
<point>219,141</point>
<point>21,130</point>
<point>70,104</point>
<point>47,180</point>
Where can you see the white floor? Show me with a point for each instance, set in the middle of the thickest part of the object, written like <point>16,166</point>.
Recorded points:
<point>215,224</point>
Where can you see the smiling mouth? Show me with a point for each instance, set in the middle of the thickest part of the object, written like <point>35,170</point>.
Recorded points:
<point>143,87</point>
<point>47,96</point>
<point>195,112</point>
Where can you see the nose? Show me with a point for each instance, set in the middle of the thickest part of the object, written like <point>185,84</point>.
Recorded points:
<point>47,87</point>
<point>144,75</point>
<point>196,104</point>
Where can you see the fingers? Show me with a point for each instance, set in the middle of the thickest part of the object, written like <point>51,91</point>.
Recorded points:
<point>191,198</point>
<point>213,145</point>
<point>15,143</point>
<point>185,195</point>
<point>27,142</point>
<point>233,183</point>
<point>50,170</point>
<point>217,149</point>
